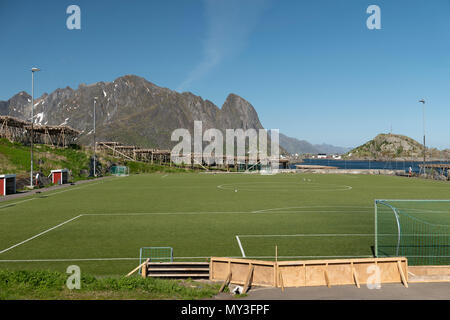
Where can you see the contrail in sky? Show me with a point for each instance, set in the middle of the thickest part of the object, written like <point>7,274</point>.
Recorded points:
<point>229,25</point>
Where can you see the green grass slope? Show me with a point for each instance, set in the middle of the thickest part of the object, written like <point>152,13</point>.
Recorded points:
<point>48,284</point>
<point>15,158</point>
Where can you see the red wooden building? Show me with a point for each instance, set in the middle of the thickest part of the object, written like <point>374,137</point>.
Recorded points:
<point>60,176</point>
<point>7,184</point>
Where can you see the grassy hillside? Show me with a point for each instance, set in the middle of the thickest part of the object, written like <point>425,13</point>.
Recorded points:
<point>15,158</point>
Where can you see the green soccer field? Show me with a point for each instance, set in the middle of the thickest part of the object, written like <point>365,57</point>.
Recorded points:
<point>101,225</point>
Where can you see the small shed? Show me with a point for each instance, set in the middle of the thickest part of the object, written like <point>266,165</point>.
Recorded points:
<point>7,184</point>
<point>60,176</point>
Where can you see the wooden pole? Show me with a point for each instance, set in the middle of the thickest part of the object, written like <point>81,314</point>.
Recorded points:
<point>144,269</point>
<point>304,269</point>
<point>355,276</point>
<point>136,269</point>
<point>226,282</point>
<point>248,281</point>
<point>402,275</point>
<point>327,278</point>
<point>276,267</point>
<point>281,280</point>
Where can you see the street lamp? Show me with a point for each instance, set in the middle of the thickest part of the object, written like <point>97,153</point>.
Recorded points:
<point>33,70</point>
<point>95,100</point>
<point>424,147</point>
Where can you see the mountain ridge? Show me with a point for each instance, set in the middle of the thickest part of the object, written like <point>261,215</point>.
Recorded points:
<point>130,108</point>
<point>133,110</point>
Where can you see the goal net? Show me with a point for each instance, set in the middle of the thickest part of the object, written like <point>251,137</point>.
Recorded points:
<point>120,170</point>
<point>156,254</point>
<point>416,229</point>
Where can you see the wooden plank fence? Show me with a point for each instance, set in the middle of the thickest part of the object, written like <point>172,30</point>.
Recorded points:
<point>284,274</point>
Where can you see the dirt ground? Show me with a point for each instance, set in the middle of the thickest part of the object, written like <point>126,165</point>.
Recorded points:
<point>22,194</point>
<point>416,291</point>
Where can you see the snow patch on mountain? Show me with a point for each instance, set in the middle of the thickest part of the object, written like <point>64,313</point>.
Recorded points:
<point>38,118</point>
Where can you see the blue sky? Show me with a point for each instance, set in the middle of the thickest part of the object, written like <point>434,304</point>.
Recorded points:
<point>310,68</point>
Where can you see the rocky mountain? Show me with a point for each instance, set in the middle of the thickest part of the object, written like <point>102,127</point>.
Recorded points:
<point>296,146</point>
<point>293,145</point>
<point>330,149</point>
<point>131,110</point>
<point>134,111</point>
<point>394,146</point>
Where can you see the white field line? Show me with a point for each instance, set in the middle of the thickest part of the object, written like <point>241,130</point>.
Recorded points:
<point>240,246</point>
<point>48,195</point>
<point>75,259</point>
<point>164,213</point>
<point>144,214</point>
<point>309,235</point>
<point>230,186</point>
<point>181,258</point>
<point>14,203</point>
<point>39,234</point>
<point>95,259</point>
<point>211,212</point>
<point>71,189</point>
<point>331,235</point>
<point>309,207</point>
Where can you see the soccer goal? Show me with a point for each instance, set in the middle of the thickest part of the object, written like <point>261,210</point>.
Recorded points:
<point>416,229</point>
<point>156,254</point>
<point>120,170</point>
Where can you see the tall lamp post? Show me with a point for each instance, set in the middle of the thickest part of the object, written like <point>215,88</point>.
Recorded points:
<point>95,100</point>
<point>33,70</point>
<point>424,146</point>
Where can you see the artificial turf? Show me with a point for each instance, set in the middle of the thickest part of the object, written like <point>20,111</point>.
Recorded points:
<point>199,215</point>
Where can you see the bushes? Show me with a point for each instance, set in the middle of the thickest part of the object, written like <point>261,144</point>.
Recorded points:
<point>32,279</point>
<point>52,285</point>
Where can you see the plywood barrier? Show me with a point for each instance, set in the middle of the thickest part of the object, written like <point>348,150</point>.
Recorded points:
<point>309,272</point>
<point>429,270</point>
<point>429,274</point>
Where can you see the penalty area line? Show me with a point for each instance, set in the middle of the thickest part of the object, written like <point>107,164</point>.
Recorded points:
<point>45,194</point>
<point>240,246</point>
<point>40,234</point>
<point>309,235</point>
<point>177,258</point>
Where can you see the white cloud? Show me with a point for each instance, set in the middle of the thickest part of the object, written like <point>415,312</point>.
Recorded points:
<point>229,25</point>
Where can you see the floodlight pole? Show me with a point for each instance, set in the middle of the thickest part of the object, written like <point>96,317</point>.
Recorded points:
<point>95,174</point>
<point>33,70</point>
<point>424,145</point>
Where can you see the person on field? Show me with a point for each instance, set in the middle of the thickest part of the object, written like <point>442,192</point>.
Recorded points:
<point>410,171</point>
